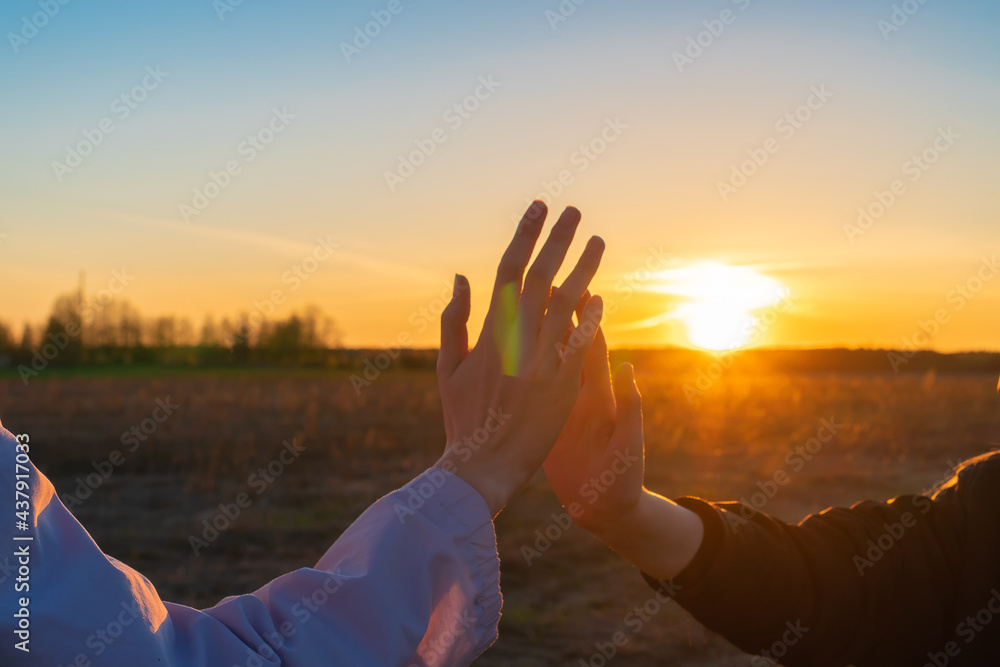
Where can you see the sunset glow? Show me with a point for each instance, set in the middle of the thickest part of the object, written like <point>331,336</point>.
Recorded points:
<point>720,302</point>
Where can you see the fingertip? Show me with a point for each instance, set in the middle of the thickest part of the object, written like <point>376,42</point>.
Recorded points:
<point>629,371</point>
<point>596,304</point>
<point>572,215</point>
<point>537,210</point>
<point>582,304</point>
<point>625,378</point>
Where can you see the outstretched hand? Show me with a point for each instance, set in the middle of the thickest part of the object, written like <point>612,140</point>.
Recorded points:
<point>597,462</point>
<point>596,469</point>
<point>506,401</point>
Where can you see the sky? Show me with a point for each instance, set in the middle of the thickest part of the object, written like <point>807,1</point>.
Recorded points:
<point>229,156</point>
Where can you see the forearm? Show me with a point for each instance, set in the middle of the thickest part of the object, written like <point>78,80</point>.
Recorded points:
<point>415,580</point>
<point>658,536</point>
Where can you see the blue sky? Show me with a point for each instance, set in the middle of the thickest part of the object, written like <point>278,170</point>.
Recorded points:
<point>655,186</point>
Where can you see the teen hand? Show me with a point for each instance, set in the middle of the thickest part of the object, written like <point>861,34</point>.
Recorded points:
<point>596,469</point>
<point>506,401</point>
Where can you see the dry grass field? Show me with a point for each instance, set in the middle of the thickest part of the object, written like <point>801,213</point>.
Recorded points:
<point>901,433</point>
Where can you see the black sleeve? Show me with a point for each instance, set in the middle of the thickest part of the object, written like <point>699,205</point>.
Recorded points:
<point>869,585</point>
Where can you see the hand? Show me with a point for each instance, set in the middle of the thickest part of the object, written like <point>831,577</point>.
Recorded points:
<point>596,469</point>
<point>506,401</point>
<point>597,462</point>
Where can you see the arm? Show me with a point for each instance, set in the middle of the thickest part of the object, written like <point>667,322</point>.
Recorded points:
<point>841,587</point>
<point>825,590</point>
<point>414,581</point>
<point>407,583</point>
<point>602,441</point>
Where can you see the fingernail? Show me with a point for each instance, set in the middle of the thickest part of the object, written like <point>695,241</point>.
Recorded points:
<point>575,215</point>
<point>536,210</point>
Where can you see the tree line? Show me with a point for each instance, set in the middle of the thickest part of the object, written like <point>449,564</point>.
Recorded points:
<point>80,332</point>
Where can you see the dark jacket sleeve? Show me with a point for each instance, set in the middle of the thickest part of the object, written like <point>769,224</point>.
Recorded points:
<point>875,584</point>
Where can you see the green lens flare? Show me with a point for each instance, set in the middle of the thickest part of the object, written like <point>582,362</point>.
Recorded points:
<point>506,332</point>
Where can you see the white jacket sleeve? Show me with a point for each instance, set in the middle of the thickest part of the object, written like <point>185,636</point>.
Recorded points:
<point>415,581</point>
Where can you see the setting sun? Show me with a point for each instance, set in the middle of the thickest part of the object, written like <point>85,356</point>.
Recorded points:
<point>720,302</point>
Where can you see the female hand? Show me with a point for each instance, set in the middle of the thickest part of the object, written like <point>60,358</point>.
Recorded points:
<point>507,399</point>
<point>596,469</point>
<point>597,462</point>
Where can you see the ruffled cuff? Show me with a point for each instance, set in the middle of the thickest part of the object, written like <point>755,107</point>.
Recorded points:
<point>461,510</point>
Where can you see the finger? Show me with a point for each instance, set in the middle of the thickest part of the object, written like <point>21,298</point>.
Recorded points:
<point>628,415</point>
<point>567,297</point>
<point>564,344</point>
<point>597,367</point>
<point>538,280</point>
<point>510,272</point>
<point>574,353</point>
<point>454,330</point>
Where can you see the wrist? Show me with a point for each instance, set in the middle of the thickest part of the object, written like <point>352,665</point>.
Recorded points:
<point>493,490</point>
<point>624,523</point>
<point>657,535</point>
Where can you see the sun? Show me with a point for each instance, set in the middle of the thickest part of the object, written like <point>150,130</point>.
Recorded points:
<point>720,302</point>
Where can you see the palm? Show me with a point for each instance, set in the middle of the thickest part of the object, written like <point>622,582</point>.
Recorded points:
<point>597,459</point>
<point>506,400</point>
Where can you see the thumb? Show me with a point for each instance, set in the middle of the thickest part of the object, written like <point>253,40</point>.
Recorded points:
<point>454,333</point>
<point>628,411</point>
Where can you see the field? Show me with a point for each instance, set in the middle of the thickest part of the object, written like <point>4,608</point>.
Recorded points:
<point>901,433</point>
